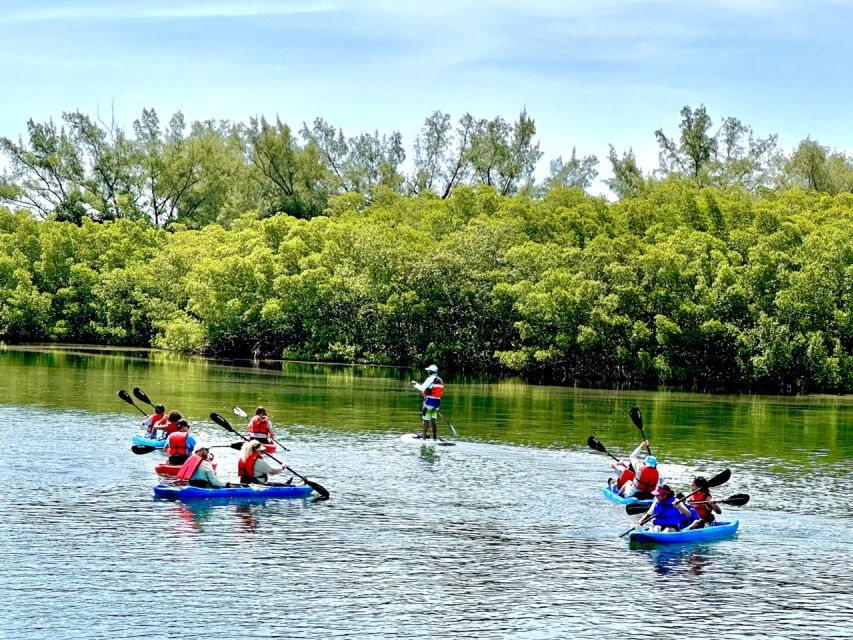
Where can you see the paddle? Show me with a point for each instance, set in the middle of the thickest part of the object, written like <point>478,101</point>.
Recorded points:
<point>126,397</point>
<point>239,412</point>
<point>449,424</point>
<point>716,481</point>
<point>222,422</point>
<point>140,395</point>
<point>592,443</point>
<point>737,500</point>
<point>142,449</point>
<point>637,419</point>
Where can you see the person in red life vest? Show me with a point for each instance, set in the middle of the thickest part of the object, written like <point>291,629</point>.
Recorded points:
<point>432,389</point>
<point>198,470</point>
<point>156,421</point>
<point>180,444</point>
<point>626,474</point>
<point>171,424</point>
<point>702,502</point>
<point>666,513</point>
<point>647,475</point>
<point>260,428</point>
<point>253,467</point>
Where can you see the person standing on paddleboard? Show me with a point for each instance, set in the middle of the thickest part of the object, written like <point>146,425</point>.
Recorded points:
<point>432,388</point>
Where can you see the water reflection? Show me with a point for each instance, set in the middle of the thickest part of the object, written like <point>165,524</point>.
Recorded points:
<point>679,559</point>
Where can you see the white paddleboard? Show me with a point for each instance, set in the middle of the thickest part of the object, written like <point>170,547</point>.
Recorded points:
<point>416,438</point>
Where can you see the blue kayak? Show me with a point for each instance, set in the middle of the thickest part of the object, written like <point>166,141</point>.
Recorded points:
<point>149,442</point>
<point>252,491</point>
<point>715,531</point>
<point>615,497</point>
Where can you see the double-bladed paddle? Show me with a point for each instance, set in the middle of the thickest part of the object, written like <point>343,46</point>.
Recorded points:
<point>239,412</point>
<point>592,443</point>
<point>140,395</point>
<point>637,419</point>
<point>716,481</point>
<point>737,500</point>
<point>142,449</point>
<point>222,422</point>
<point>124,395</point>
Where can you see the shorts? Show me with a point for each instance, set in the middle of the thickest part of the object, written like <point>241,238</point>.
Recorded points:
<point>430,409</point>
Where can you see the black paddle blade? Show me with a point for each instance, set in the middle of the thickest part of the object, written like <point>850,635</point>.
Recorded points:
<point>635,509</point>
<point>222,422</point>
<point>318,488</point>
<point>720,478</point>
<point>737,500</point>
<point>236,445</point>
<point>140,395</point>
<point>126,397</point>
<point>636,417</point>
<point>140,449</point>
<point>592,443</point>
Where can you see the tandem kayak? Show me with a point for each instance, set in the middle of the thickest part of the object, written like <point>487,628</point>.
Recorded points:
<point>615,497</point>
<point>252,491</point>
<point>715,531</point>
<point>167,469</point>
<point>149,442</point>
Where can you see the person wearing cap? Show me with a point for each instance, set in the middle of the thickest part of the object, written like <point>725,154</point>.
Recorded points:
<point>702,503</point>
<point>647,475</point>
<point>180,444</point>
<point>198,471</point>
<point>260,428</point>
<point>252,467</point>
<point>432,389</point>
<point>666,513</point>
<point>156,421</point>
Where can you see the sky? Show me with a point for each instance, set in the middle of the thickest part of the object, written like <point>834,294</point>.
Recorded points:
<point>590,74</point>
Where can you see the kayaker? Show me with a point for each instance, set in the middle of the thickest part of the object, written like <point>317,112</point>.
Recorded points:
<point>432,389</point>
<point>171,424</point>
<point>702,503</point>
<point>260,428</point>
<point>198,471</point>
<point>253,467</point>
<point>180,444</point>
<point>666,513</point>
<point>156,421</point>
<point>625,471</point>
<point>647,475</point>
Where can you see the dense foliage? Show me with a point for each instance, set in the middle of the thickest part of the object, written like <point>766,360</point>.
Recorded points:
<point>682,283</point>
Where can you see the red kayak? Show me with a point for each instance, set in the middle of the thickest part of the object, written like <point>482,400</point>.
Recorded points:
<point>171,469</point>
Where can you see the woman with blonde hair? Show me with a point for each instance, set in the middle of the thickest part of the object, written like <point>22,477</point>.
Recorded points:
<point>253,468</point>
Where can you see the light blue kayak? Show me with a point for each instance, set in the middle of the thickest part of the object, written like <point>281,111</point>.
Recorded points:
<point>252,492</point>
<point>149,442</point>
<point>715,531</point>
<point>615,497</point>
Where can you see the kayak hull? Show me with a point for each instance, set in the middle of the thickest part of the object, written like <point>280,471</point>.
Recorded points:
<point>716,531</point>
<point>167,469</point>
<point>251,492</point>
<point>615,497</point>
<point>149,442</point>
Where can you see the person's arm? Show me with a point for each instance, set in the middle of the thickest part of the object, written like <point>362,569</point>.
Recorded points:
<point>425,385</point>
<point>683,510</point>
<point>190,444</point>
<point>264,466</point>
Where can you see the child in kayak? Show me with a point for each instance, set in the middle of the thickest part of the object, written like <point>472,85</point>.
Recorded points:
<point>702,503</point>
<point>155,422</point>
<point>171,424</point>
<point>665,513</point>
<point>625,473</point>
<point>260,428</point>
<point>647,475</point>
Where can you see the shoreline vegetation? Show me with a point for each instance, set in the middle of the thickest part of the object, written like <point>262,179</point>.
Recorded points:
<point>730,266</point>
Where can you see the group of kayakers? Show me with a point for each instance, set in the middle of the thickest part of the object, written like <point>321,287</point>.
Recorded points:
<point>639,478</point>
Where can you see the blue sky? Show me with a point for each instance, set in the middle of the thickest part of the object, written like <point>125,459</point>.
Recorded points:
<point>589,73</point>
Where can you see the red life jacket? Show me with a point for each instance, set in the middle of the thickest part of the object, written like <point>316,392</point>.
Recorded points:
<point>171,427</point>
<point>178,444</point>
<point>188,468</point>
<point>626,476</point>
<point>648,479</point>
<point>704,510</point>
<point>247,468</point>
<point>435,389</point>
<point>154,418</point>
<point>260,425</point>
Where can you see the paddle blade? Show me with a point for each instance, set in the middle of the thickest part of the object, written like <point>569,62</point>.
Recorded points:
<point>141,449</point>
<point>236,445</point>
<point>126,397</point>
<point>636,417</point>
<point>318,488</point>
<point>720,478</point>
<point>140,395</point>
<point>737,500</point>
<point>222,422</point>
<point>592,443</point>
<point>635,509</point>
<point>239,412</point>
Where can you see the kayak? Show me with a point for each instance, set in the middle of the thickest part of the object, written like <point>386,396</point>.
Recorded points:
<point>149,442</point>
<point>615,497</point>
<point>167,469</point>
<point>252,491</point>
<point>417,438</point>
<point>715,531</point>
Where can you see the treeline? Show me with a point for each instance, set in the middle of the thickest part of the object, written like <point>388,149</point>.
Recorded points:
<point>179,175</point>
<point>685,281</point>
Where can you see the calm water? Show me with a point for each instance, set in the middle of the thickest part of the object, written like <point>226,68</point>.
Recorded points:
<point>505,535</point>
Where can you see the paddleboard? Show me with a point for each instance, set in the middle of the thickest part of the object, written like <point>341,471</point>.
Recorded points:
<point>416,438</point>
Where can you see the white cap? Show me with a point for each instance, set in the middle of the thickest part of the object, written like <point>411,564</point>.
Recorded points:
<point>201,445</point>
<point>432,368</point>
